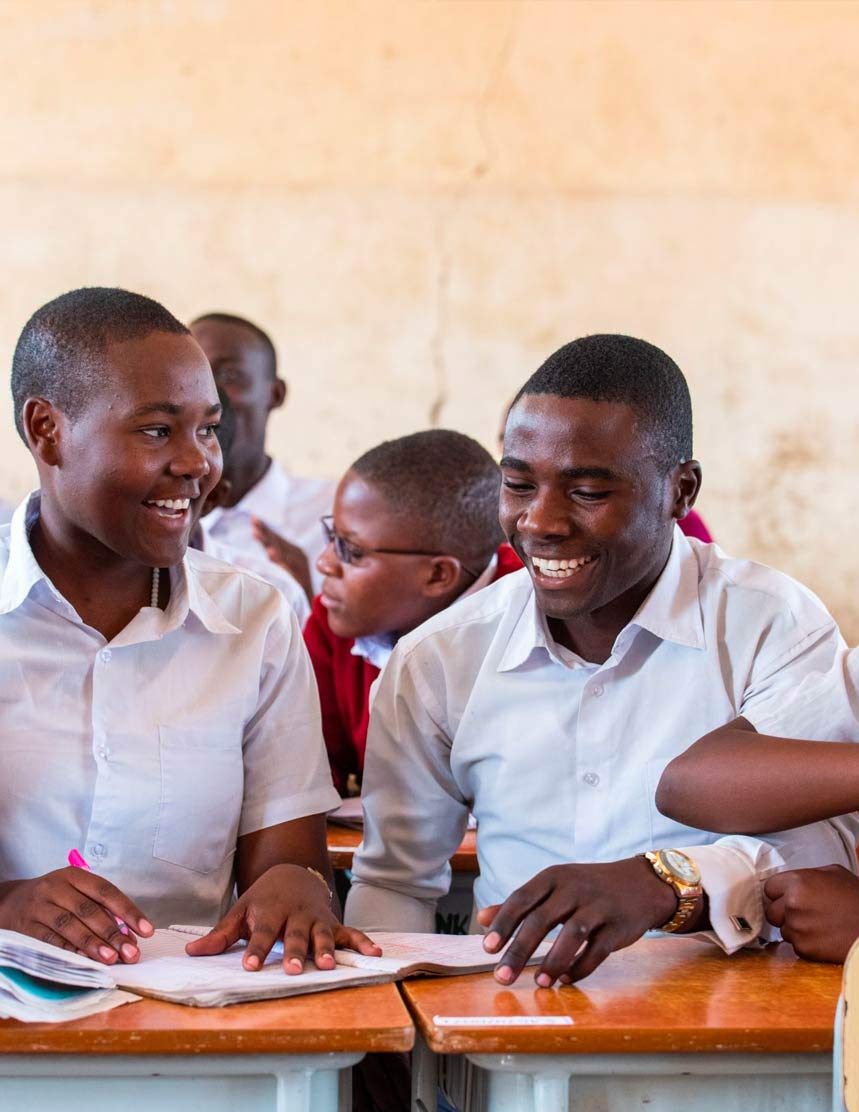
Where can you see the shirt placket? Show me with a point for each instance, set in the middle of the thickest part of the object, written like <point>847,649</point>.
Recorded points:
<point>594,765</point>
<point>102,845</point>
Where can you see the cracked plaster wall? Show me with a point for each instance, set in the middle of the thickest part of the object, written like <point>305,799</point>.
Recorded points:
<point>422,200</point>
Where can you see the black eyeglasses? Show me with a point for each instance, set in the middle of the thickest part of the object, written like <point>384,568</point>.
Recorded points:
<point>348,553</point>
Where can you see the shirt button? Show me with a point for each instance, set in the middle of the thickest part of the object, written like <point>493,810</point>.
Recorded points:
<point>105,655</point>
<point>104,752</point>
<point>591,779</point>
<point>98,849</point>
<point>597,690</point>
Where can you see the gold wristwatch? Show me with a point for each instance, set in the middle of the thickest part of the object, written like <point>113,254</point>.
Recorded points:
<point>681,872</point>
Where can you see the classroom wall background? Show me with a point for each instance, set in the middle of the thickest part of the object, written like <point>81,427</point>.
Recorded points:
<point>422,200</point>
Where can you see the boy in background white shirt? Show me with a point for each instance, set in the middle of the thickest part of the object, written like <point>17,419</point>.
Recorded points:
<point>251,560</point>
<point>263,495</point>
<point>550,702</point>
<point>157,707</point>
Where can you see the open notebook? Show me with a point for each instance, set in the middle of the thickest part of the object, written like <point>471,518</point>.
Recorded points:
<point>165,971</point>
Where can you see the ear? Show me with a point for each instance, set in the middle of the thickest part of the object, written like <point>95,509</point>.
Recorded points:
<point>42,428</point>
<point>443,576</point>
<point>685,488</point>
<point>278,394</point>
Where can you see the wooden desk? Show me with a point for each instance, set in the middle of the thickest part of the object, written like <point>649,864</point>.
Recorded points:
<point>669,1022</point>
<point>343,841</point>
<point>275,1054</point>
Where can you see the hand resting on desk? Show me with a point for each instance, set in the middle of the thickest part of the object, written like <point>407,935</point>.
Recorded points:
<point>286,903</point>
<point>599,907</point>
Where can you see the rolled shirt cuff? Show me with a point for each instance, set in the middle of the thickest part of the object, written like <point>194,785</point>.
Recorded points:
<point>735,897</point>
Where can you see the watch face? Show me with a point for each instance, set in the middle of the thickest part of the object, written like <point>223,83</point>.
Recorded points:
<point>683,867</point>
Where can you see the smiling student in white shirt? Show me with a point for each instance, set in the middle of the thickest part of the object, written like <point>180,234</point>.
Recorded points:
<point>157,707</point>
<point>549,703</point>
<point>263,497</point>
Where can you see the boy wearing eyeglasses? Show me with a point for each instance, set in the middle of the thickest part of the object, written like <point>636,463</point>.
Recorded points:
<point>415,527</point>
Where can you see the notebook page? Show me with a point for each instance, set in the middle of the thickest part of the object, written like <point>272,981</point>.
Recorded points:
<point>446,951</point>
<point>52,963</point>
<point>165,970</point>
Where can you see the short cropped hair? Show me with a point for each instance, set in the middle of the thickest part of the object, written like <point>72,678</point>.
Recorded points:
<point>60,350</point>
<point>263,337</point>
<point>616,368</point>
<point>445,480</point>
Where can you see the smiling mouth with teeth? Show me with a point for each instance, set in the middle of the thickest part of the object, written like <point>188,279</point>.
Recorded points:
<point>172,506</point>
<point>560,569</point>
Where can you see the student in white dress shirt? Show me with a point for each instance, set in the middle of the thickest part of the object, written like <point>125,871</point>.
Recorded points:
<point>157,707</point>
<point>550,702</point>
<point>263,496</point>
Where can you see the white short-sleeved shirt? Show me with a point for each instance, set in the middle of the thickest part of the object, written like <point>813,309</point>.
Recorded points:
<point>152,753</point>
<point>559,759</point>
<point>824,707</point>
<point>288,504</point>
<point>266,569</point>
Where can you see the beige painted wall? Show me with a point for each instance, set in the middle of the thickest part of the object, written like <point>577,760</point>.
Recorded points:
<point>422,199</point>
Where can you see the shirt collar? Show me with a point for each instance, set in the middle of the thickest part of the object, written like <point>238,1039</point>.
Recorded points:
<point>375,649</point>
<point>22,572</point>
<point>273,489</point>
<point>671,612</point>
<point>187,593</point>
<point>191,597</point>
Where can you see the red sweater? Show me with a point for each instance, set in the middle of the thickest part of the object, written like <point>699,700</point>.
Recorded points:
<point>344,682</point>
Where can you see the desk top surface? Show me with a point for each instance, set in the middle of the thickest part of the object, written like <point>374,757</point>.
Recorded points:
<point>343,841</point>
<point>660,995</point>
<point>371,1018</point>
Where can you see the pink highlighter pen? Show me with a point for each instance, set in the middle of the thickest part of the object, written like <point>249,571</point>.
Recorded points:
<point>78,862</point>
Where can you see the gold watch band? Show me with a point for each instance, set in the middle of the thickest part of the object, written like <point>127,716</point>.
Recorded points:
<point>689,894</point>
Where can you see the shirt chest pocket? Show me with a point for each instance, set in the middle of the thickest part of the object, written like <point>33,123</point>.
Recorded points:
<point>202,785</point>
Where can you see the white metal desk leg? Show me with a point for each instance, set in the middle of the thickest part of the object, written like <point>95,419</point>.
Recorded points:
<point>424,1077</point>
<point>304,1090</point>
<point>551,1092</point>
<point>838,1104</point>
<point>537,1090</point>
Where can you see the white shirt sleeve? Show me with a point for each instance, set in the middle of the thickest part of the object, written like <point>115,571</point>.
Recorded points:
<point>286,769</point>
<point>823,707</point>
<point>734,870</point>
<point>414,815</point>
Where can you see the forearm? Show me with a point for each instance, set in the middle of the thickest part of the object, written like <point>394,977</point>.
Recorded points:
<point>736,780</point>
<point>300,842</point>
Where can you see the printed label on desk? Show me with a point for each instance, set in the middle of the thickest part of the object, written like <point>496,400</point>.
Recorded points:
<point>502,1020</point>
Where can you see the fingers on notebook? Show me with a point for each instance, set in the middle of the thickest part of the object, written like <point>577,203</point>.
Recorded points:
<point>322,937</point>
<point>348,938</point>
<point>263,936</point>
<point>296,942</point>
<point>220,938</point>
<point>486,914</point>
